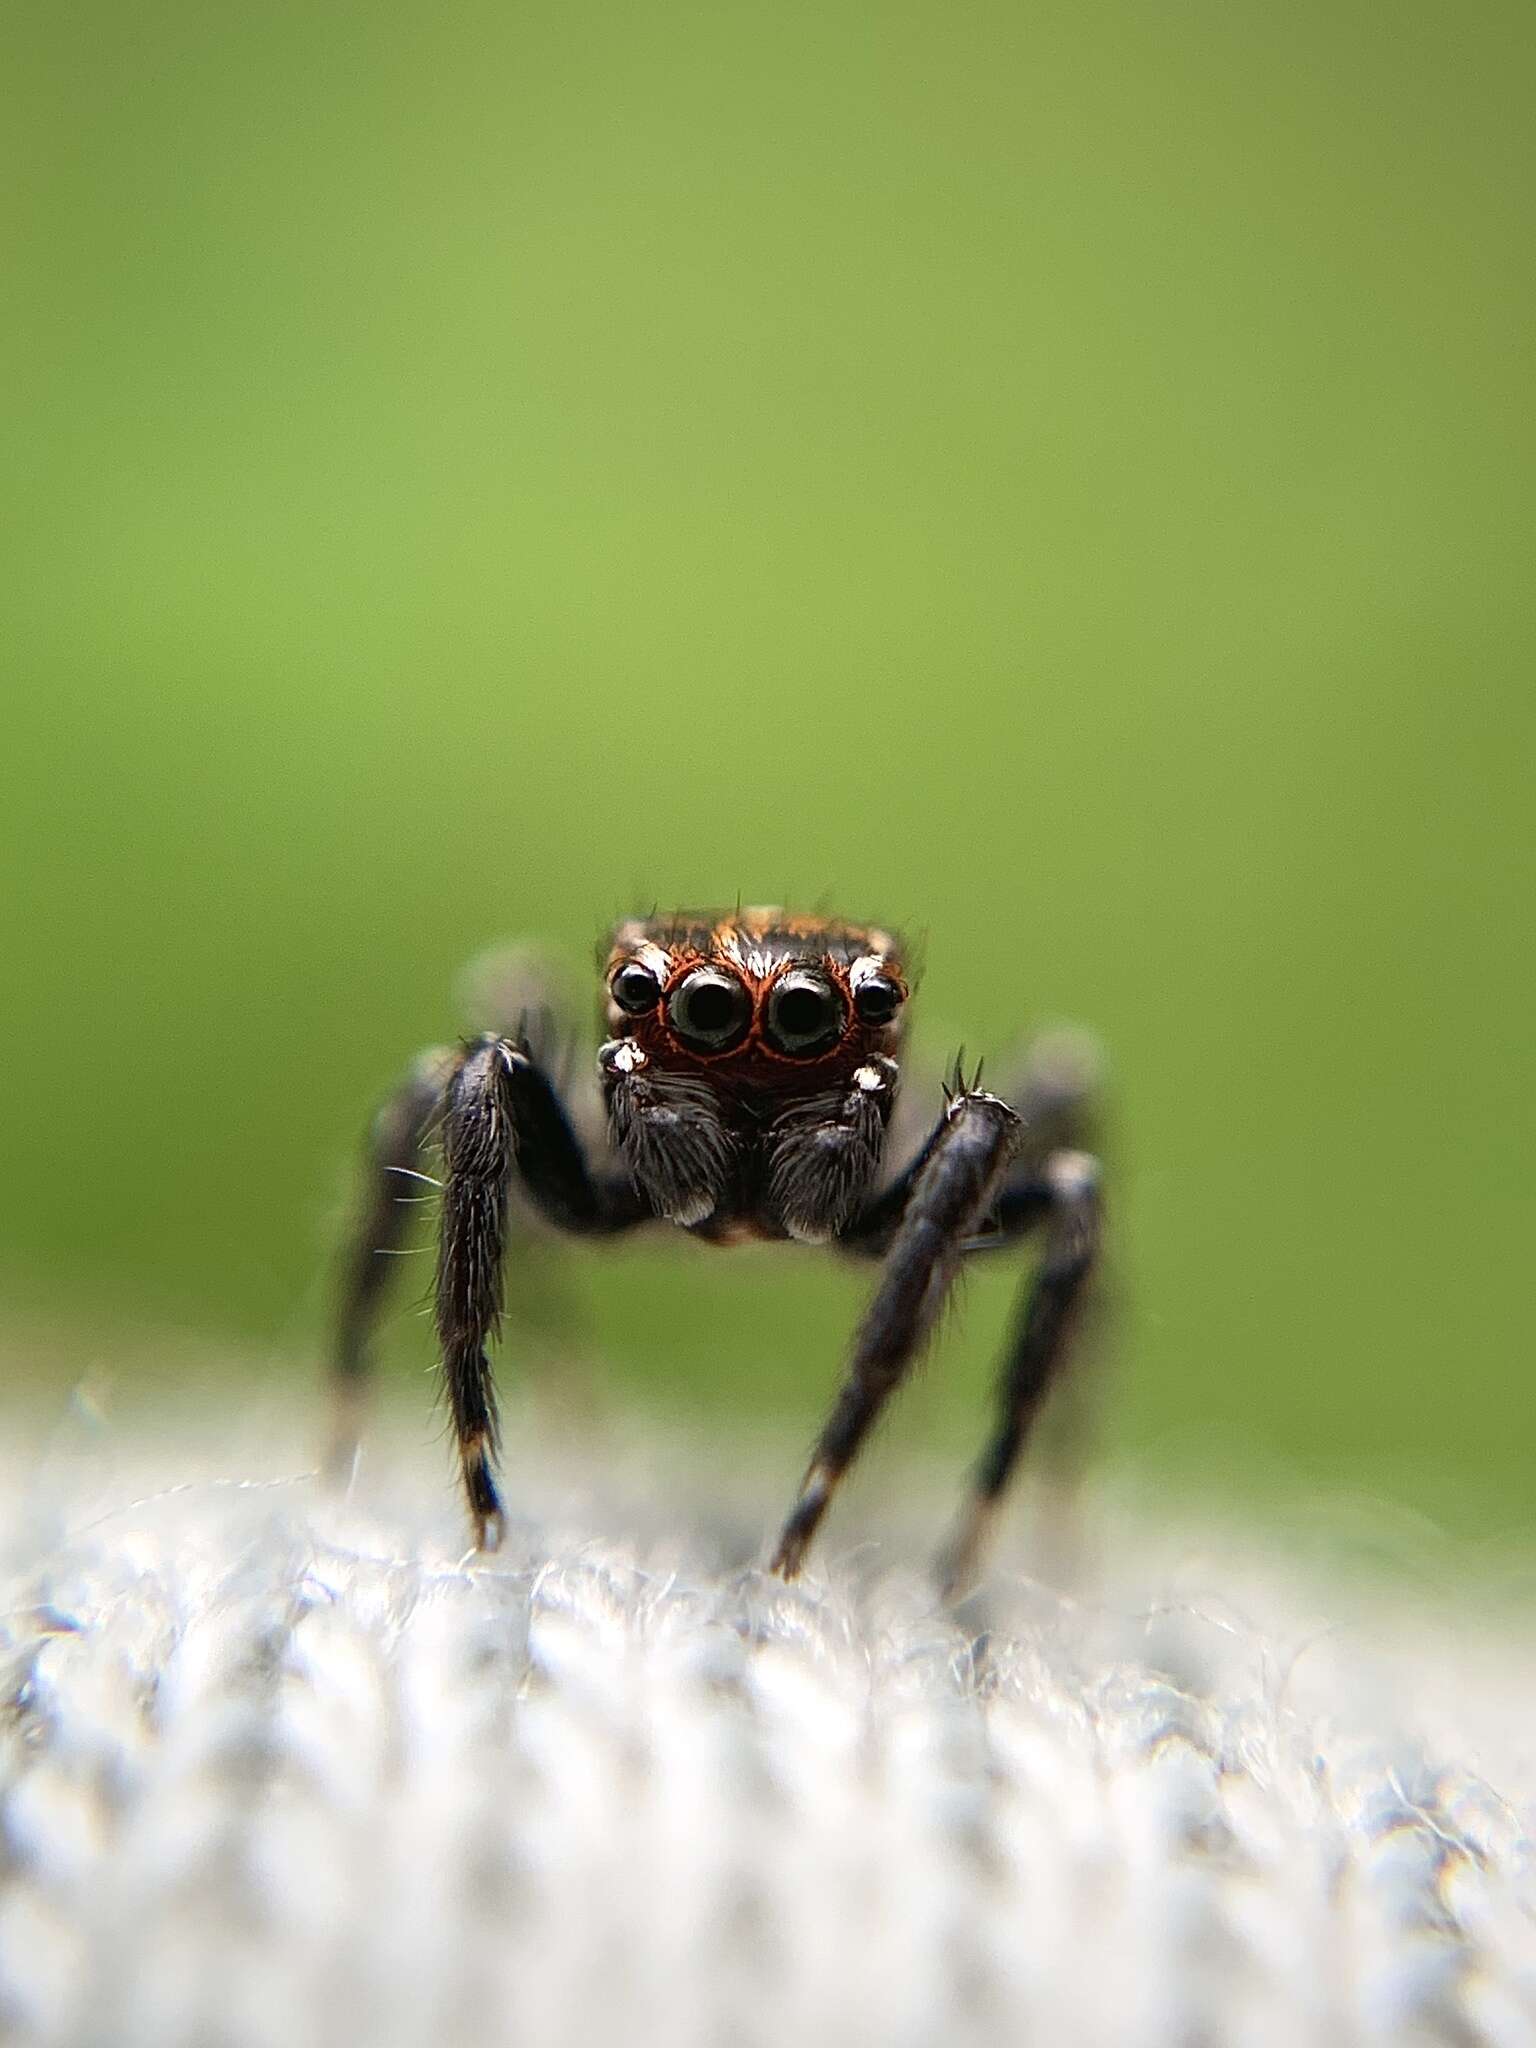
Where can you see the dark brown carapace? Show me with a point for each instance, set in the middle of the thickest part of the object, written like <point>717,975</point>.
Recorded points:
<point>748,1078</point>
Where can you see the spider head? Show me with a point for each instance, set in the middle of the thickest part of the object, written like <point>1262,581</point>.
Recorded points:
<point>757,1000</point>
<point>751,1070</point>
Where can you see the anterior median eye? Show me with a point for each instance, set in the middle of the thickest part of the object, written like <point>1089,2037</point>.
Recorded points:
<point>709,1008</point>
<point>635,989</point>
<point>805,1012</point>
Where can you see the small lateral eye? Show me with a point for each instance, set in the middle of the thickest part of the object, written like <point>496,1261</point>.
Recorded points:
<point>877,1000</point>
<point>710,1008</point>
<point>804,1012</point>
<point>635,989</point>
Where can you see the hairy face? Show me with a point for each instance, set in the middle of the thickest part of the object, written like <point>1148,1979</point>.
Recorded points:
<point>751,1069</point>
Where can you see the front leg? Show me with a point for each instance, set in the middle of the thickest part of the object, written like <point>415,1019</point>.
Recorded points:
<point>502,1111</point>
<point>949,1198</point>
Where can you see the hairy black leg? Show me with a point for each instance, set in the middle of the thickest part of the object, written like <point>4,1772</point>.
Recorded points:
<point>393,1154</point>
<point>478,1153</point>
<point>525,994</point>
<point>1054,1086</point>
<point>952,1193</point>
<point>502,1113</point>
<point>1066,1193</point>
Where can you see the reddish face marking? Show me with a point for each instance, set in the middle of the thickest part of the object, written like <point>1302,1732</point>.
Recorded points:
<point>757,997</point>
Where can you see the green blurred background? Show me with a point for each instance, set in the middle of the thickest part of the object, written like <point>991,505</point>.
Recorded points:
<point>1057,477</point>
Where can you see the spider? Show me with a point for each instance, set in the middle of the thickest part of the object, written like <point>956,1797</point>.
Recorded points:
<point>749,1079</point>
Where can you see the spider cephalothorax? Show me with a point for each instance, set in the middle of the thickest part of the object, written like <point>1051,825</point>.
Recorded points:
<point>749,1078</point>
<point>751,1072</point>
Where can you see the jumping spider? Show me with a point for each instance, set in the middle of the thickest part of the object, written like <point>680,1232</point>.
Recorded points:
<point>749,1080</point>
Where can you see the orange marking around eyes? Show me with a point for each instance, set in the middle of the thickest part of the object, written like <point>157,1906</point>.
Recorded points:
<point>758,945</point>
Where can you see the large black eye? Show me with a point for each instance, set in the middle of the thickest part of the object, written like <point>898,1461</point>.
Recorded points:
<point>877,1000</point>
<point>635,989</point>
<point>805,1013</point>
<point>710,1008</point>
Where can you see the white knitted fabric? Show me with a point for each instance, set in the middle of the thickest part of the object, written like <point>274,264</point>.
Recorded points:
<point>275,1771</point>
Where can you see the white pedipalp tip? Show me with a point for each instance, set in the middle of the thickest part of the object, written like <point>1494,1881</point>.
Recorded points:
<point>628,1057</point>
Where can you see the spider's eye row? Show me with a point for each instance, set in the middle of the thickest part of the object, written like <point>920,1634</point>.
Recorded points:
<point>877,1000</point>
<point>710,1008</point>
<point>635,989</point>
<point>804,1012</point>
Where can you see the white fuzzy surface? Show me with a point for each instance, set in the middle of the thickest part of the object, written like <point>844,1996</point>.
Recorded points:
<point>277,1771</point>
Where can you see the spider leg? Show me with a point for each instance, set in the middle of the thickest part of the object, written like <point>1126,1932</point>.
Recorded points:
<point>502,1113</point>
<point>1064,1192</point>
<point>1054,1084</point>
<point>513,990</point>
<point>950,1194</point>
<point>394,1149</point>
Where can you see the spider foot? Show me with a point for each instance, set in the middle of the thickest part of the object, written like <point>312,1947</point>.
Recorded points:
<point>338,1464</point>
<point>958,1565</point>
<point>804,1518</point>
<point>486,1512</point>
